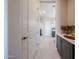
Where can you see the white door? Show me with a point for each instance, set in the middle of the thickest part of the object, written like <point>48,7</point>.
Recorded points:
<point>34,28</point>
<point>30,27</point>
<point>24,13</point>
<point>23,29</point>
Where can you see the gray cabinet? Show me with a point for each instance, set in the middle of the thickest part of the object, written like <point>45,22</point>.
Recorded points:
<point>59,45</point>
<point>65,49</point>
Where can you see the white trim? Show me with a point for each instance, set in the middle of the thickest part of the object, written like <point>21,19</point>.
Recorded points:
<point>5,29</point>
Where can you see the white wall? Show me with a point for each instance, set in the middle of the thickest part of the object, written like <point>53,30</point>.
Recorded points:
<point>58,16</point>
<point>71,12</point>
<point>62,11</point>
<point>65,13</point>
<point>6,29</point>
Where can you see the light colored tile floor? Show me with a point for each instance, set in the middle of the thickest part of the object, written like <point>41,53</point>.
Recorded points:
<point>47,49</point>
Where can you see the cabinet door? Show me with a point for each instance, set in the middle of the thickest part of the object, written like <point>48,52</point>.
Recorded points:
<point>59,45</point>
<point>73,52</point>
<point>66,50</point>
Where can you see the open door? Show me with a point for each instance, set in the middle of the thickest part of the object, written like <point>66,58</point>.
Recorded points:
<point>30,27</point>
<point>23,29</point>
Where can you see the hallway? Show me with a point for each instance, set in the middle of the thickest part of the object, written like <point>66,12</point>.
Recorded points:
<point>47,49</point>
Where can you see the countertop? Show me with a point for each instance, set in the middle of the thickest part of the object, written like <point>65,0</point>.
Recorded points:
<point>69,40</point>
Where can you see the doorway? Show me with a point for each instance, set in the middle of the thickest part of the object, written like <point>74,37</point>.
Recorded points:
<point>47,18</point>
<point>47,48</point>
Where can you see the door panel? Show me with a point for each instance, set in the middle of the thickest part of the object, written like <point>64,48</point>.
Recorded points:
<point>24,27</point>
<point>23,21</point>
<point>34,27</point>
<point>30,22</point>
<point>14,31</point>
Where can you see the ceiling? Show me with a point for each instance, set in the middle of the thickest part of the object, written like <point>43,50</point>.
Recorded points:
<point>48,1</point>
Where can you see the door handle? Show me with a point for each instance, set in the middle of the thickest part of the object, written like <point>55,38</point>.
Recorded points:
<point>24,38</point>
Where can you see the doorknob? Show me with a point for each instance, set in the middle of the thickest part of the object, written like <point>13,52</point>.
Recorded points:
<point>24,38</point>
